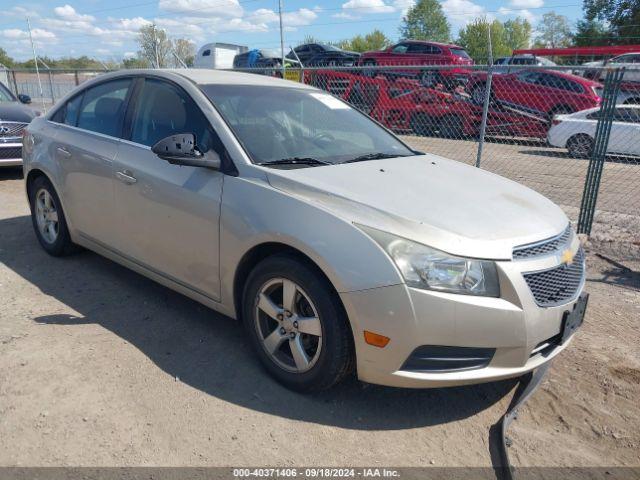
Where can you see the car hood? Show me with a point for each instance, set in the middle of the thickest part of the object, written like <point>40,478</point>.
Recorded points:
<point>16,112</point>
<point>442,203</point>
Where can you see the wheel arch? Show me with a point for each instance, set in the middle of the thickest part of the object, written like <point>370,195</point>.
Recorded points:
<point>260,252</point>
<point>31,177</point>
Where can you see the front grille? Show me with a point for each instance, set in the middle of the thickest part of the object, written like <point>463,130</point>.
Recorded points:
<point>11,129</point>
<point>558,285</point>
<point>545,247</point>
<point>12,152</point>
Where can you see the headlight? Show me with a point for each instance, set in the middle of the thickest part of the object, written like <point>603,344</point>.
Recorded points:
<point>428,268</point>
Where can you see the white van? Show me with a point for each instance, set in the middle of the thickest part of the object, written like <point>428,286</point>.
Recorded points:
<point>218,55</point>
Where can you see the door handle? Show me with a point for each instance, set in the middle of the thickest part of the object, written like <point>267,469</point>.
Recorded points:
<point>126,176</point>
<point>64,152</point>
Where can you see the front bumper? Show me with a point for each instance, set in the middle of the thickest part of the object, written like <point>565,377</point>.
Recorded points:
<point>10,154</point>
<point>523,334</point>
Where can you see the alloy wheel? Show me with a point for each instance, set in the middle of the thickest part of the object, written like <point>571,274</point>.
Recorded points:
<point>288,325</point>
<point>47,216</point>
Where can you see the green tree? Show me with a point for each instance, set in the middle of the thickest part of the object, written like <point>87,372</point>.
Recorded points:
<point>135,62</point>
<point>310,39</point>
<point>474,38</point>
<point>5,59</point>
<point>375,40</point>
<point>426,21</point>
<point>592,33</point>
<point>155,46</point>
<point>184,49</point>
<point>554,31</point>
<point>517,33</point>
<point>623,17</point>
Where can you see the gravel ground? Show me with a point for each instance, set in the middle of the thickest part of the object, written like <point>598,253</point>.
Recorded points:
<point>100,366</point>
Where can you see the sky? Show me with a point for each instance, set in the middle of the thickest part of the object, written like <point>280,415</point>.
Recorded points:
<point>107,29</point>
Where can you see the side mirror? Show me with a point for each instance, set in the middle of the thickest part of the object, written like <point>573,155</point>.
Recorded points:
<point>180,149</point>
<point>24,98</point>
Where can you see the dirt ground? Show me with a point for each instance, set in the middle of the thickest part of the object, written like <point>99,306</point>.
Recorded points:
<point>100,366</point>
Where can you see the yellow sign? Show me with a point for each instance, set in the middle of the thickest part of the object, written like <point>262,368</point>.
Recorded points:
<point>293,75</point>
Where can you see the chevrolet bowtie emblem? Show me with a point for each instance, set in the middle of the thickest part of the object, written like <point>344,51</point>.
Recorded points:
<point>567,257</point>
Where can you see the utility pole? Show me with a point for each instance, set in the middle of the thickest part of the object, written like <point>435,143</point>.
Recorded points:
<point>35,59</point>
<point>281,38</point>
<point>155,45</point>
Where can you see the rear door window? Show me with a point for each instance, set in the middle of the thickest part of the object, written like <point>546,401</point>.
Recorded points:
<point>103,107</point>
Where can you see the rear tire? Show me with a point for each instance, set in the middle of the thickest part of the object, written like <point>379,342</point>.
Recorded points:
<point>478,94</point>
<point>301,337</point>
<point>580,145</point>
<point>371,71</point>
<point>430,78</point>
<point>48,219</point>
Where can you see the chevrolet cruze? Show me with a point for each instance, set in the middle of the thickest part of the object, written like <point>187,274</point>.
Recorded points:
<point>337,246</point>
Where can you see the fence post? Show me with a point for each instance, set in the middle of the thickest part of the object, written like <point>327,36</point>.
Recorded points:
<point>53,98</point>
<point>15,82</point>
<point>487,99</point>
<point>75,76</point>
<point>599,152</point>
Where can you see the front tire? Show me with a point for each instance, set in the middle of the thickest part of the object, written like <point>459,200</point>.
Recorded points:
<point>297,325</point>
<point>49,221</point>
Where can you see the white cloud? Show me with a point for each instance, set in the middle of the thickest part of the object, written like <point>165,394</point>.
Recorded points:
<point>403,5</point>
<point>36,33</point>
<point>526,3</point>
<point>461,12</point>
<point>203,8</point>
<point>367,6</point>
<point>68,13</point>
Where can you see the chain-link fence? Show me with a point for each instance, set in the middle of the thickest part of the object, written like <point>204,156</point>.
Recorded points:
<point>537,126</point>
<point>544,127</point>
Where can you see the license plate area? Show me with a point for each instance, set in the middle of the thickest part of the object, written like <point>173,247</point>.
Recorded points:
<point>572,320</point>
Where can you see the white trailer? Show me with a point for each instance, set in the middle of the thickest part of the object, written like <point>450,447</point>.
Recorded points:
<point>218,55</point>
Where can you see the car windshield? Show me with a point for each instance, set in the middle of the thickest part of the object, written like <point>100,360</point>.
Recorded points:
<point>279,123</point>
<point>5,94</point>
<point>461,52</point>
<point>331,48</point>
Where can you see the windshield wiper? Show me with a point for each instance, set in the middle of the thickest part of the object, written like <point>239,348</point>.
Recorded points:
<point>373,156</point>
<point>296,161</point>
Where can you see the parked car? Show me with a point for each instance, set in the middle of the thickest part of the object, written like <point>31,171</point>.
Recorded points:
<point>320,241</point>
<point>416,53</point>
<point>262,58</point>
<point>631,61</point>
<point>321,54</point>
<point>504,64</point>
<point>15,115</point>
<point>543,93</point>
<point>576,132</point>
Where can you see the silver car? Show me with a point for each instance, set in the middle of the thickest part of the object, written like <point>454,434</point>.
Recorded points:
<point>337,246</point>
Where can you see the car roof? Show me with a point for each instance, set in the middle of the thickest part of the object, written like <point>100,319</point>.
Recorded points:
<point>569,76</point>
<point>205,76</point>
<point>439,44</point>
